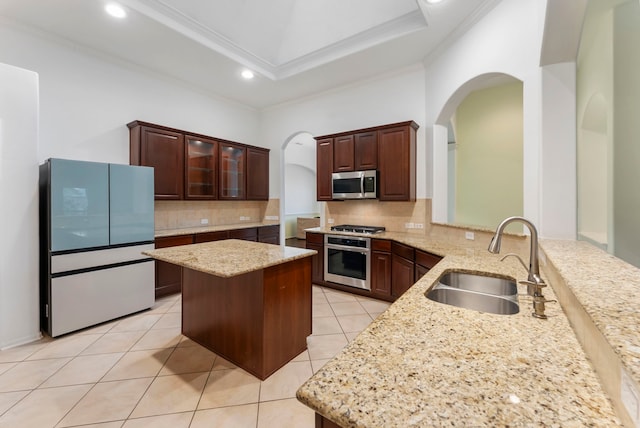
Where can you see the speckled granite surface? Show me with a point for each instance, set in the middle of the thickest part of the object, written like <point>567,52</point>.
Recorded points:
<point>229,257</point>
<point>608,289</point>
<point>423,363</point>
<point>204,229</point>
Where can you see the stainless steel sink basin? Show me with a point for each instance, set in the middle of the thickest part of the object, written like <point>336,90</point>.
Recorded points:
<point>477,292</point>
<point>480,283</point>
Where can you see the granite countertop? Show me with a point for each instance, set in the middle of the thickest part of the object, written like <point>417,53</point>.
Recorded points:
<point>423,363</point>
<point>229,257</point>
<point>209,228</point>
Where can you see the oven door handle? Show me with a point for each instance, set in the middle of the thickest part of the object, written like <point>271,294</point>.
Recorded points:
<point>348,248</point>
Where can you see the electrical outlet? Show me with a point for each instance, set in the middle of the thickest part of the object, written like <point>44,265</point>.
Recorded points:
<point>330,221</point>
<point>243,218</point>
<point>419,226</point>
<point>470,236</point>
<point>409,226</point>
<point>271,217</point>
<point>204,221</point>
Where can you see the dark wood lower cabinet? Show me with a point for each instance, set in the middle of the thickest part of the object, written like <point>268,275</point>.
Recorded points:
<point>381,268</point>
<point>322,422</point>
<point>315,241</point>
<point>258,320</point>
<point>269,234</point>
<point>168,275</point>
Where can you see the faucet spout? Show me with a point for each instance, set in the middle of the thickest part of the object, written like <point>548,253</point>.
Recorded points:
<point>534,265</point>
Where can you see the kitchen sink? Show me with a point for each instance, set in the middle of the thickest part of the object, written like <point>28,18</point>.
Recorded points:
<point>480,283</point>
<point>477,292</point>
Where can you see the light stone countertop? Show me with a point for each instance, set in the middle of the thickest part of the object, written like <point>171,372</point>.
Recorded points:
<point>208,228</point>
<point>423,363</point>
<point>229,257</point>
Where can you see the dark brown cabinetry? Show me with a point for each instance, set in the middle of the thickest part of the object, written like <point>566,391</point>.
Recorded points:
<point>315,241</point>
<point>381,268</point>
<point>232,172</point>
<point>343,153</point>
<point>257,174</point>
<point>201,161</point>
<point>324,168</point>
<point>389,149</point>
<point>397,162</point>
<point>366,151</point>
<point>269,234</point>
<point>162,149</point>
<point>424,263</point>
<point>168,275</point>
<point>193,166</point>
<point>402,268</point>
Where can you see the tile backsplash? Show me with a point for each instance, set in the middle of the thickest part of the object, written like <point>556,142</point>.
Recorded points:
<point>392,215</point>
<point>181,214</point>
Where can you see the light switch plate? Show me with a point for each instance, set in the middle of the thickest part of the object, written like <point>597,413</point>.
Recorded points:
<point>470,236</point>
<point>204,221</point>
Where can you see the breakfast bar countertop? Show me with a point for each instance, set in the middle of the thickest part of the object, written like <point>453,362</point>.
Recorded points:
<point>423,363</point>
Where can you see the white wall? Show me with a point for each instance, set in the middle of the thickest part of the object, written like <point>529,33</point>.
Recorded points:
<point>506,41</point>
<point>19,321</point>
<point>87,100</point>
<point>391,98</point>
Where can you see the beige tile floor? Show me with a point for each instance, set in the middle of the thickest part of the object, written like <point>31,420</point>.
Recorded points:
<point>139,371</point>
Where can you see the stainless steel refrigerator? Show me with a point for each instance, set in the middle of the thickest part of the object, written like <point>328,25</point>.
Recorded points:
<point>95,220</point>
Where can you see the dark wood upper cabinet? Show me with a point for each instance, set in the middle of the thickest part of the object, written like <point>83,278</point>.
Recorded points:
<point>389,149</point>
<point>324,168</point>
<point>257,174</point>
<point>397,162</point>
<point>366,151</point>
<point>232,171</point>
<point>201,168</point>
<point>192,166</point>
<point>162,149</point>
<point>343,153</point>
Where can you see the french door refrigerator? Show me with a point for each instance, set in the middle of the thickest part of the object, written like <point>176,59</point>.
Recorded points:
<point>95,220</point>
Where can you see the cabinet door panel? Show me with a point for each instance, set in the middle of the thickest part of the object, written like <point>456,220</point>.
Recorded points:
<point>396,163</point>
<point>343,153</point>
<point>317,263</point>
<point>164,151</point>
<point>381,273</point>
<point>402,275</point>
<point>366,151</point>
<point>324,168</point>
<point>257,174</point>
<point>232,172</point>
<point>201,168</point>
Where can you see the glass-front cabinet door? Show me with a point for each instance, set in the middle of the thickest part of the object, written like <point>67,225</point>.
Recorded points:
<point>200,171</point>
<point>232,171</point>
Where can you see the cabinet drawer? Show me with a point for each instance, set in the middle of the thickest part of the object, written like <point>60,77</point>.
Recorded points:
<point>173,241</point>
<point>250,234</point>
<point>403,251</point>
<point>381,245</point>
<point>212,236</point>
<point>427,260</point>
<point>315,238</point>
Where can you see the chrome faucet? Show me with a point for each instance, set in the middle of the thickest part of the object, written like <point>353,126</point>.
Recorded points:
<point>534,282</point>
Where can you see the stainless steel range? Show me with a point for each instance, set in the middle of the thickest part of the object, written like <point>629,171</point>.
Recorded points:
<point>358,229</point>
<point>347,259</point>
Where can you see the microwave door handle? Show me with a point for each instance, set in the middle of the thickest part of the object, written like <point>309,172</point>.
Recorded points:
<point>362,184</point>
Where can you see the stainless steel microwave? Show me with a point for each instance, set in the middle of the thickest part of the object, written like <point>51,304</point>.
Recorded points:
<point>355,185</point>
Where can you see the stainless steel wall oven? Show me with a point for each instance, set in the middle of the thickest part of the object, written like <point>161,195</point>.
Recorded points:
<point>347,260</point>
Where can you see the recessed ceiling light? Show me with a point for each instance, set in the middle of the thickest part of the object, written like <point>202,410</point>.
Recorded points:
<point>115,10</point>
<point>433,1</point>
<point>247,74</point>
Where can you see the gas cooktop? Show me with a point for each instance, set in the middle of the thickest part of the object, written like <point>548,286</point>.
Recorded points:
<point>358,229</point>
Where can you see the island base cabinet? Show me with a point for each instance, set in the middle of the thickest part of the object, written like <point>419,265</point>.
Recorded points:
<point>322,422</point>
<point>258,320</point>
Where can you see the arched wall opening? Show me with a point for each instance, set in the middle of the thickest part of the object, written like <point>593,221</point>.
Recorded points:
<point>478,153</point>
<point>297,182</point>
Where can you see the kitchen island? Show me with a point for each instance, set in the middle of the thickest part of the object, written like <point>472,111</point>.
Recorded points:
<point>248,302</point>
<point>423,363</point>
